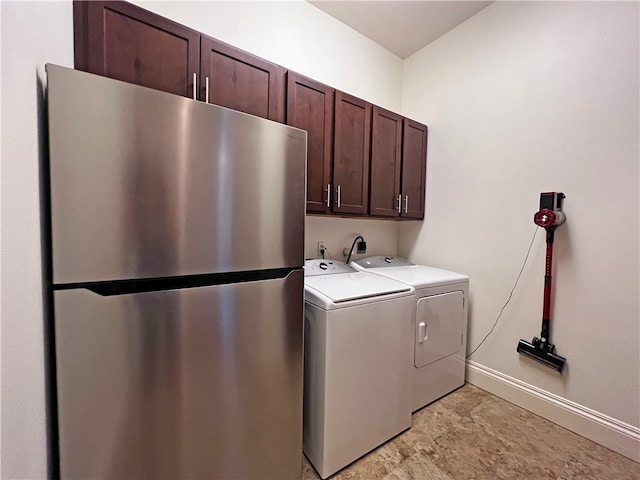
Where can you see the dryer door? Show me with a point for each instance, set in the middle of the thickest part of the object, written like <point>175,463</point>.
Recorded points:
<point>439,321</point>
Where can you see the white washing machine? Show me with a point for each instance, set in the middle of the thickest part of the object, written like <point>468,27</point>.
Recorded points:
<point>357,369</point>
<point>440,324</point>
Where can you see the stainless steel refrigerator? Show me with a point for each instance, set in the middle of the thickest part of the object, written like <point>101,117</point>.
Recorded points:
<point>176,247</point>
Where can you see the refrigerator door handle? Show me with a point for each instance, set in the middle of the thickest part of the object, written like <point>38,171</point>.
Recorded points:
<point>133,286</point>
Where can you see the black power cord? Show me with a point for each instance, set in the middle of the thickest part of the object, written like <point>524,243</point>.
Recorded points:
<point>362,245</point>
<point>510,295</point>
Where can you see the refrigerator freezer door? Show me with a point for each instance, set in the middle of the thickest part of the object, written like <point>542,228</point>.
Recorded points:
<point>196,383</point>
<point>147,184</point>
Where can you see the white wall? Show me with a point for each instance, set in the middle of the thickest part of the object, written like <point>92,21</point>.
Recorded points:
<point>339,233</point>
<point>523,98</point>
<point>33,33</point>
<point>299,36</point>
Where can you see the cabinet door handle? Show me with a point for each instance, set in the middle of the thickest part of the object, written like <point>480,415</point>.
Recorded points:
<point>195,79</point>
<point>328,195</point>
<point>206,90</point>
<point>338,190</point>
<point>399,203</point>
<point>406,203</point>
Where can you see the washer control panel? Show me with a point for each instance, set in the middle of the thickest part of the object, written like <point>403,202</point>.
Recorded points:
<point>325,267</point>
<point>378,261</point>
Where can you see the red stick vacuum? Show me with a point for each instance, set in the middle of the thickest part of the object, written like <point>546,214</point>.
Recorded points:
<point>550,216</point>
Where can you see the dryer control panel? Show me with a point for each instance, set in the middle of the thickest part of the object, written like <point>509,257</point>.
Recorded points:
<point>377,261</point>
<point>326,267</point>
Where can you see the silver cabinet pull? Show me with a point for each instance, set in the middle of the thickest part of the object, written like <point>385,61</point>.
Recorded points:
<point>399,203</point>
<point>195,78</point>
<point>406,203</point>
<point>338,190</point>
<point>328,195</point>
<point>206,95</point>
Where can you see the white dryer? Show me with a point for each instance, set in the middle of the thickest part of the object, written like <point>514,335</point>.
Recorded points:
<point>357,369</point>
<point>440,324</point>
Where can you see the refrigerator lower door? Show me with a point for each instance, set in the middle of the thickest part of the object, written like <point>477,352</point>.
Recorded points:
<point>195,383</point>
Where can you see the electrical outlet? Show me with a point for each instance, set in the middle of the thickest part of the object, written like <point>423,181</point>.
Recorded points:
<point>322,249</point>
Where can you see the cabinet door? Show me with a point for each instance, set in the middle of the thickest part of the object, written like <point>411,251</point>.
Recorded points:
<point>414,169</point>
<point>241,81</point>
<point>310,107</point>
<point>351,154</point>
<point>125,42</point>
<point>386,142</point>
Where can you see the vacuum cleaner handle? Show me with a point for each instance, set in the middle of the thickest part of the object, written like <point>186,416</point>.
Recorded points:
<point>549,217</point>
<point>546,306</point>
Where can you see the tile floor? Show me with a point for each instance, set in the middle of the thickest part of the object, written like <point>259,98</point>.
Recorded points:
<point>471,434</point>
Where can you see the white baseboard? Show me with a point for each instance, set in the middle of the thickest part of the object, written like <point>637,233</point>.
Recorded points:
<point>608,432</point>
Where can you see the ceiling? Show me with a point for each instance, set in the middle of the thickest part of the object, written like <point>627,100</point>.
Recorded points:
<point>402,27</point>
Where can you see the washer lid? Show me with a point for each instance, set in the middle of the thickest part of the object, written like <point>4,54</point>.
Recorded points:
<point>337,290</point>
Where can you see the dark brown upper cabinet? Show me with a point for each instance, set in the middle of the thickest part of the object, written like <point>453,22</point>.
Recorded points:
<point>386,163</point>
<point>414,168</point>
<point>241,81</point>
<point>125,42</point>
<point>310,107</point>
<point>351,154</point>
<point>361,160</point>
<point>122,41</point>
<point>398,165</point>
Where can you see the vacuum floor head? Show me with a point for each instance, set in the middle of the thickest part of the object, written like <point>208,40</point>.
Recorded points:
<point>542,352</point>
